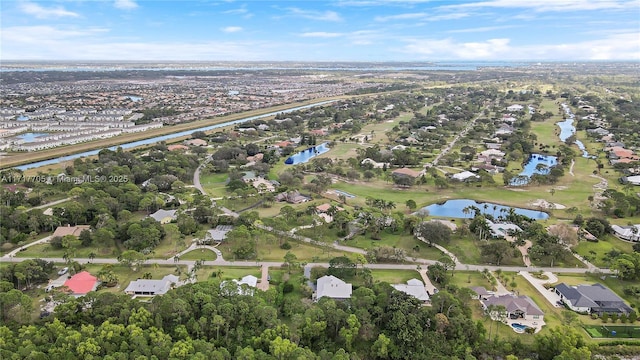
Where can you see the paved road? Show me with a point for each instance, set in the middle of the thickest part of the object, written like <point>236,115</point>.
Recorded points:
<point>455,139</point>
<point>53,203</point>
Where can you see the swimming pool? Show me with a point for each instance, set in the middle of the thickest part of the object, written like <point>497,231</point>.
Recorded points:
<point>346,194</point>
<point>519,328</point>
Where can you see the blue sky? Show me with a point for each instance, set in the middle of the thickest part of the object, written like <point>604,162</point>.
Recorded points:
<point>341,30</point>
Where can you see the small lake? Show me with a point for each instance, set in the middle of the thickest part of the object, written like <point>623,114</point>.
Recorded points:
<point>567,129</point>
<point>531,167</point>
<point>453,209</point>
<point>30,137</point>
<point>307,154</point>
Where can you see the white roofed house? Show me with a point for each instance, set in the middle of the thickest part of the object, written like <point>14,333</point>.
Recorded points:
<point>517,309</point>
<point>245,286</point>
<point>145,287</point>
<point>415,288</point>
<point>630,233</point>
<point>331,287</point>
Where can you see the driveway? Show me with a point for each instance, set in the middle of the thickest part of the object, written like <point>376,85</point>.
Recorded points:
<point>550,295</point>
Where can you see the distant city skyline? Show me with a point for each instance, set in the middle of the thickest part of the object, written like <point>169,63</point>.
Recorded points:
<point>343,30</point>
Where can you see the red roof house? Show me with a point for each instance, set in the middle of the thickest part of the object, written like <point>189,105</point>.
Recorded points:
<point>81,283</point>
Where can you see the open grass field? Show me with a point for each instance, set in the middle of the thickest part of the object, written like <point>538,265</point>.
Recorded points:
<point>467,250</point>
<point>401,241</point>
<point>468,279</point>
<point>596,251</point>
<point>269,250</point>
<point>227,272</point>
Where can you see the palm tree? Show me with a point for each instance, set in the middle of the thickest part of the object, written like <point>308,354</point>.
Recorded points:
<point>92,256</point>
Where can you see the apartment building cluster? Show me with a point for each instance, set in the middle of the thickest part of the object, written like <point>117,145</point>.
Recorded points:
<point>56,127</point>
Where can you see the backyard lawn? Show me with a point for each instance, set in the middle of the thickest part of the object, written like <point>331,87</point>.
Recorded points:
<point>611,331</point>
<point>199,254</point>
<point>596,251</point>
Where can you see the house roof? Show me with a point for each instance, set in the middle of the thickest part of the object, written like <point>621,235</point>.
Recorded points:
<point>413,287</point>
<point>249,280</point>
<point>480,290</point>
<point>70,230</point>
<point>514,303</point>
<point>81,283</point>
<point>464,175</point>
<point>593,296</point>
<point>220,232</point>
<point>163,214</point>
<point>157,287</point>
<point>332,287</point>
<point>177,147</point>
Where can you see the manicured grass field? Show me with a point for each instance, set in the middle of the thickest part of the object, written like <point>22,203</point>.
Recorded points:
<point>227,272</point>
<point>468,279</point>
<point>607,331</point>
<point>394,276</point>
<point>47,251</point>
<point>467,250</point>
<point>199,254</point>
<point>269,250</point>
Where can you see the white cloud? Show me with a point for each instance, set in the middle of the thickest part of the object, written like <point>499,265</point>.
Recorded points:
<point>321,34</point>
<point>315,15</point>
<point>45,13</point>
<point>550,5</point>
<point>231,29</point>
<point>615,47</point>
<point>480,29</point>
<point>125,4</point>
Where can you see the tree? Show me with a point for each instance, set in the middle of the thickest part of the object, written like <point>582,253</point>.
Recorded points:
<point>433,232</point>
<point>411,205</point>
<point>562,341</point>
<point>341,267</point>
<point>132,259</point>
<point>566,233</point>
<point>496,250</point>
<point>291,261</point>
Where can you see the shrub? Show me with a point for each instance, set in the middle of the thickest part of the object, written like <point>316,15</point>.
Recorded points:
<point>594,316</point>
<point>285,246</point>
<point>287,288</point>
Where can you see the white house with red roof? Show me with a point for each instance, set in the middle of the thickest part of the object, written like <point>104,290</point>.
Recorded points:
<point>81,283</point>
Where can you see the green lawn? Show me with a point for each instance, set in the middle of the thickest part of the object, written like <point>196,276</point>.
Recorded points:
<point>402,241</point>
<point>596,251</point>
<point>47,251</point>
<point>606,331</point>
<point>395,276</point>
<point>227,272</point>
<point>269,250</point>
<point>467,250</point>
<point>199,254</point>
<point>468,279</point>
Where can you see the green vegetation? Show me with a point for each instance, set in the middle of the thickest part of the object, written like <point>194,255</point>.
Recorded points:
<point>607,331</point>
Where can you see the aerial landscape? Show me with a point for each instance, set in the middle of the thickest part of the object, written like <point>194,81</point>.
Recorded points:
<point>357,179</point>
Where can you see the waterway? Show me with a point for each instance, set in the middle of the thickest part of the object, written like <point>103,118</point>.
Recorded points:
<point>307,154</point>
<point>567,129</point>
<point>531,167</point>
<point>454,209</point>
<point>163,137</point>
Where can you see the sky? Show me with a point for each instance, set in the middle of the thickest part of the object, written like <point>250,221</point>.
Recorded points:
<point>340,30</point>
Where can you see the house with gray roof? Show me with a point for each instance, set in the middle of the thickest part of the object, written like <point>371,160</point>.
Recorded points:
<point>415,288</point>
<point>516,307</point>
<point>145,287</point>
<point>218,234</point>
<point>592,299</point>
<point>164,216</point>
<point>332,287</point>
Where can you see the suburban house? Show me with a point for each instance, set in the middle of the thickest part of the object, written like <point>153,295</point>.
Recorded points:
<point>196,142</point>
<point>218,234</point>
<point>245,286</point>
<point>630,233</point>
<point>146,287</point>
<point>292,197</point>
<point>483,294</point>
<point>464,176</point>
<point>62,231</point>
<point>81,283</point>
<point>501,230</point>
<point>164,216</point>
<point>593,299</point>
<point>516,307</point>
<point>415,288</point>
<point>331,287</point>
<point>515,107</point>
<point>633,180</point>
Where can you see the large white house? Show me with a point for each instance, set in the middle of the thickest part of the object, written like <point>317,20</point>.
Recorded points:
<point>415,288</point>
<point>332,287</point>
<point>630,233</point>
<point>145,287</point>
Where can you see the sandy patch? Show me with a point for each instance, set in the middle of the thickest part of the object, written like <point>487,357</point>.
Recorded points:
<point>544,204</point>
